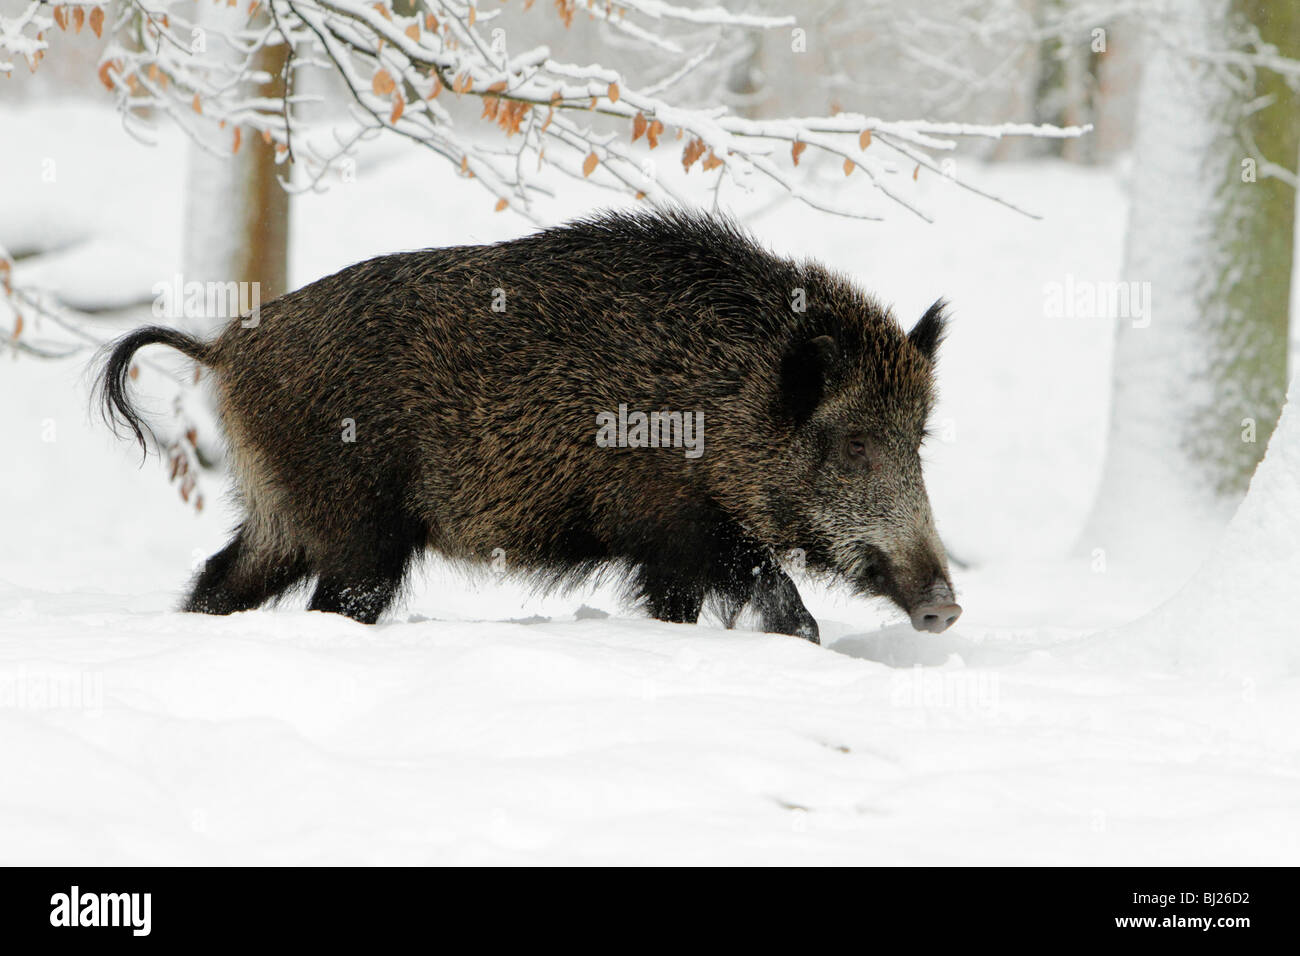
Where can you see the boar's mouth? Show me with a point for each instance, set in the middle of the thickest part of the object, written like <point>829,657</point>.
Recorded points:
<point>873,575</point>
<point>933,608</point>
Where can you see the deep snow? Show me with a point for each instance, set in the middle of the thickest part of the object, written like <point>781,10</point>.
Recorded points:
<point>1055,723</point>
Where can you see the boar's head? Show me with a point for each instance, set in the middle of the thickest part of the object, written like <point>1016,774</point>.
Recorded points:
<point>859,401</point>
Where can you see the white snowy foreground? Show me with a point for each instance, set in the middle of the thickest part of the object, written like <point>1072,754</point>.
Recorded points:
<point>1069,717</point>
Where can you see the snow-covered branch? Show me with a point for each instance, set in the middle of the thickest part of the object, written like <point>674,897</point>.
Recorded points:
<point>23,36</point>
<point>582,119</point>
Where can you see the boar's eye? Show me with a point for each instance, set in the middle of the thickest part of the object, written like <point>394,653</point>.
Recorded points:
<point>858,453</point>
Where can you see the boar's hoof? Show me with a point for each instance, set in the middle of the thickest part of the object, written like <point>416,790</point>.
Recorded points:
<point>801,625</point>
<point>808,631</point>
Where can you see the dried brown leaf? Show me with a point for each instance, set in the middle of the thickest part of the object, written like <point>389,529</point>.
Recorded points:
<point>382,83</point>
<point>693,151</point>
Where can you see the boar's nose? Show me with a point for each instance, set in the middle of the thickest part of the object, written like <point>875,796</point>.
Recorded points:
<point>935,618</point>
<point>938,611</point>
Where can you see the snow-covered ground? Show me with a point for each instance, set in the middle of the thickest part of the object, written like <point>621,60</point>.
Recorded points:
<point>1068,717</point>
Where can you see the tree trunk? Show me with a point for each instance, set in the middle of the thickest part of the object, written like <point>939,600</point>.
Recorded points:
<point>1062,95</point>
<point>236,211</point>
<point>1119,72</point>
<point>1197,390</point>
<point>1251,296</point>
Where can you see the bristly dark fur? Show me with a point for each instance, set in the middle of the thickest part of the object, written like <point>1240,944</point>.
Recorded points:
<point>475,428</point>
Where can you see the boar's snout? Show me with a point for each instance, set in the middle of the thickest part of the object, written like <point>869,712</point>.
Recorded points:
<point>937,612</point>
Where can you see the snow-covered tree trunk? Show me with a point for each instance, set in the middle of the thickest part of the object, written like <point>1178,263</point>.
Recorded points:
<point>1200,374</point>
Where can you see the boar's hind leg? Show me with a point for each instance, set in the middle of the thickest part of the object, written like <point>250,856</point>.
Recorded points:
<point>242,576</point>
<point>362,579</point>
<point>670,596</point>
<point>360,597</point>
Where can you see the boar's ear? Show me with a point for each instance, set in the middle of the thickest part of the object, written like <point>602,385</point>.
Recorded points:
<point>805,375</point>
<point>929,331</point>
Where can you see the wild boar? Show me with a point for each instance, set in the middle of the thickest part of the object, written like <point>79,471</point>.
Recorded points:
<point>652,393</point>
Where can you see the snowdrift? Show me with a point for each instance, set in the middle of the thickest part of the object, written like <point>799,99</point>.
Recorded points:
<point>1237,616</point>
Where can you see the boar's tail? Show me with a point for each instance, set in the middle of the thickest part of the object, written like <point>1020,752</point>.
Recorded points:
<point>111,385</point>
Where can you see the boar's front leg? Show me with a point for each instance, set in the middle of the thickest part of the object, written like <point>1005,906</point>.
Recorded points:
<point>732,569</point>
<point>777,601</point>
<point>749,574</point>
